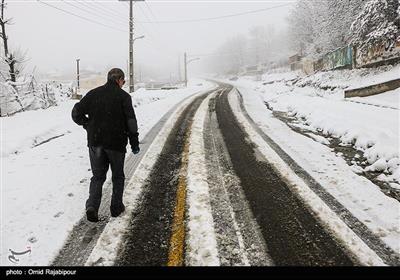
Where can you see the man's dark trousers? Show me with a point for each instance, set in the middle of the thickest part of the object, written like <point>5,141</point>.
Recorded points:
<point>100,160</point>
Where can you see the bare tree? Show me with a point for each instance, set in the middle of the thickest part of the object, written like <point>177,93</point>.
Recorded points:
<point>9,57</point>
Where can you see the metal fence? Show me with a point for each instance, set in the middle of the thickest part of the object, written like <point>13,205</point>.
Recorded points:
<point>350,57</point>
<point>338,59</point>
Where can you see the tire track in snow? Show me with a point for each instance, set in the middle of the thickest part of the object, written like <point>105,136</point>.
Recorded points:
<point>201,244</point>
<point>148,237</point>
<point>292,234</point>
<point>240,241</point>
<point>387,254</point>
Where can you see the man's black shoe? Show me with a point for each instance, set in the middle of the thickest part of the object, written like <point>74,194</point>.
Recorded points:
<point>92,215</point>
<point>116,213</point>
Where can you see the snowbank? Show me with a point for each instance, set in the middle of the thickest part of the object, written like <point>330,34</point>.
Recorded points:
<point>371,124</point>
<point>29,95</point>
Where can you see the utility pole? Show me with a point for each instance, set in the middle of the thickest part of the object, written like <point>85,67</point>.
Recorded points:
<point>185,62</point>
<point>127,67</point>
<point>77,75</point>
<point>178,76</point>
<point>131,40</point>
<point>131,76</point>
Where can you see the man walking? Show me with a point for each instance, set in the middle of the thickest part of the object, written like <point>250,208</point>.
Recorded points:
<point>107,115</point>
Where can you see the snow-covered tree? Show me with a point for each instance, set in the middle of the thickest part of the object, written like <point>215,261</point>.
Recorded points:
<point>378,23</point>
<point>317,27</point>
<point>303,25</point>
<point>340,16</point>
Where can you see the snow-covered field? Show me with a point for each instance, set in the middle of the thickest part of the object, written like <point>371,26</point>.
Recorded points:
<point>45,172</point>
<point>371,129</point>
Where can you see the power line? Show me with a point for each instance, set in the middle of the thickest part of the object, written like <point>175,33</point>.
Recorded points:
<point>220,17</point>
<point>108,9</point>
<point>151,11</point>
<point>100,7</point>
<point>92,12</point>
<point>238,52</point>
<point>155,27</point>
<point>148,18</point>
<point>100,12</point>
<point>81,17</point>
<point>152,15</point>
<point>127,5</point>
<point>149,34</point>
<point>116,12</point>
<point>155,44</point>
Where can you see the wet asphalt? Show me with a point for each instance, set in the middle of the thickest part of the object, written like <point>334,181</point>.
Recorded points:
<point>238,235</point>
<point>293,235</point>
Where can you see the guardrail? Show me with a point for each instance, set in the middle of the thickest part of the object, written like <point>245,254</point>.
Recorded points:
<point>373,89</point>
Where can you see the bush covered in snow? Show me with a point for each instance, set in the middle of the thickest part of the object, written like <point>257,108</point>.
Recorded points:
<point>29,95</point>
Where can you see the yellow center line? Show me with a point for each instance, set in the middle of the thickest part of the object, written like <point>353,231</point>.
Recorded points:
<point>177,241</point>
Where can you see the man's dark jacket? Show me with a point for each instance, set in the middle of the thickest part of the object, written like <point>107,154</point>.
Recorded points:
<point>107,115</point>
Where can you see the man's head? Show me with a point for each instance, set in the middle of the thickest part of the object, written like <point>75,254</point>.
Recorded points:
<point>116,75</point>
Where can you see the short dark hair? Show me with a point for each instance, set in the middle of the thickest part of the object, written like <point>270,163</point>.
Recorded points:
<point>115,74</point>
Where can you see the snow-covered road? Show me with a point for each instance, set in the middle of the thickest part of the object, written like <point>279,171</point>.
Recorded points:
<point>248,203</point>
<point>225,181</point>
<point>44,187</point>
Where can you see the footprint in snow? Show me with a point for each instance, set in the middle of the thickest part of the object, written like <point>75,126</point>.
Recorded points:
<point>58,214</point>
<point>32,239</point>
<point>89,235</point>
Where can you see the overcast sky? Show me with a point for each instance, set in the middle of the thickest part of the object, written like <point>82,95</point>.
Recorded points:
<point>54,39</point>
